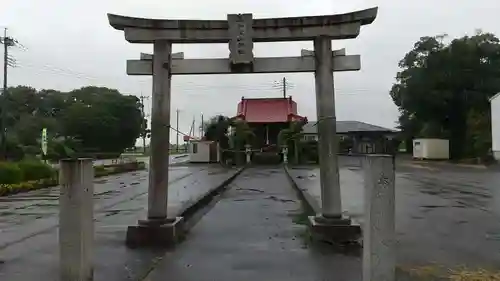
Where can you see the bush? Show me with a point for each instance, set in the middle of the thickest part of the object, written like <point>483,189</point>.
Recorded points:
<point>10,173</point>
<point>100,171</point>
<point>35,170</point>
<point>14,181</point>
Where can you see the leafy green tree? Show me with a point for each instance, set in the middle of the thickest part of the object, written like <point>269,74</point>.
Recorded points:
<point>241,135</point>
<point>441,86</point>
<point>103,119</point>
<point>291,137</point>
<point>99,119</point>
<point>217,129</point>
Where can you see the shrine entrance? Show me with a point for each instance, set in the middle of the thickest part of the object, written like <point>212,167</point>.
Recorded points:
<point>240,31</point>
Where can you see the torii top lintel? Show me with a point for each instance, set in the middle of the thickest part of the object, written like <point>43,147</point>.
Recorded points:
<point>339,26</point>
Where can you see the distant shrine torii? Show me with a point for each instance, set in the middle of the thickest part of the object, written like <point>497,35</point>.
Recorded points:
<point>240,31</point>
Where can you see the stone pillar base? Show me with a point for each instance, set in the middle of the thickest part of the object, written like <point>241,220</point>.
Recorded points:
<point>334,230</point>
<point>155,233</point>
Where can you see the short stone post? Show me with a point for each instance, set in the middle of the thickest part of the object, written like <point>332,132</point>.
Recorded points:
<point>76,223</point>
<point>248,151</point>
<point>284,150</point>
<point>379,257</point>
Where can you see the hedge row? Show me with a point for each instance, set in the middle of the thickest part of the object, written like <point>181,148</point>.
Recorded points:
<point>23,171</point>
<point>99,171</point>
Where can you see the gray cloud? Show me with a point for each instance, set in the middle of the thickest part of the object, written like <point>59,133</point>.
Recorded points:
<point>70,44</point>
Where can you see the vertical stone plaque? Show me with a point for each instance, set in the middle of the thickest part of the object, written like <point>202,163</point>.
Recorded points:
<point>240,43</point>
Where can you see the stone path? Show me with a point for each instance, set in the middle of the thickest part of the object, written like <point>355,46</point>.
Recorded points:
<point>254,232</point>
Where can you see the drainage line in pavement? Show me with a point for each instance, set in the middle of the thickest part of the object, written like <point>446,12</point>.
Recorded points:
<point>307,204</point>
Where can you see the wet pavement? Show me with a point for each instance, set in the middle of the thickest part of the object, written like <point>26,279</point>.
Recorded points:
<point>255,232</point>
<point>446,216</point>
<point>28,237</point>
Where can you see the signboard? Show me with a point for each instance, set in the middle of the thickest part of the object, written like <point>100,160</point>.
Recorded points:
<point>240,43</point>
<point>44,141</point>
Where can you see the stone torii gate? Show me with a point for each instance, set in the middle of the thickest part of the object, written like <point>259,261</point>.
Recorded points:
<point>240,31</point>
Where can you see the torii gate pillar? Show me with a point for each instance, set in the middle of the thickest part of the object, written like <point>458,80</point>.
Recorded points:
<point>330,225</point>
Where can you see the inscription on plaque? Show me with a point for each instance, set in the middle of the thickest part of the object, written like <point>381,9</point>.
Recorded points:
<point>240,43</point>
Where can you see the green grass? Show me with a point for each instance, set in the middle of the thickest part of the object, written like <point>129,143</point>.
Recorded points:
<point>437,272</point>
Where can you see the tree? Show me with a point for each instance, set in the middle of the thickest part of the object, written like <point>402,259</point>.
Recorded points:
<point>217,129</point>
<point>96,119</point>
<point>443,85</point>
<point>103,119</point>
<point>291,137</point>
<point>241,135</point>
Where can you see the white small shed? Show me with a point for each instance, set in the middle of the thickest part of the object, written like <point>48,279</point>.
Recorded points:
<point>432,149</point>
<point>203,151</point>
<point>495,125</point>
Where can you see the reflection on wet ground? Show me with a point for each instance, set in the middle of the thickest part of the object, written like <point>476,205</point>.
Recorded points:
<point>119,203</point>
<point>27,213</point>
<point>449,216</point>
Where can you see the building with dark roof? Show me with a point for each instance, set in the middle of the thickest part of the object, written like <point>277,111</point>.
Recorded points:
<point>356,136</point>
<point>268,116</point>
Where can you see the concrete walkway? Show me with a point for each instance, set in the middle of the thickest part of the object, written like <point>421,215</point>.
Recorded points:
<point>254,232</point>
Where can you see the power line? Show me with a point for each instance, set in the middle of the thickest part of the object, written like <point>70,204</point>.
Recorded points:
<point>283,85</point>
<point>192,86</point>
<point>196,89</point>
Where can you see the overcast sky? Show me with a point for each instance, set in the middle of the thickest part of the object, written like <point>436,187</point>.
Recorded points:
<point>69,44</point>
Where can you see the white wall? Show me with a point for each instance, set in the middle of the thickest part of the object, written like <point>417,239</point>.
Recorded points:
<point>495,126</point>
<point>431,149</point>
<point>199,152</point>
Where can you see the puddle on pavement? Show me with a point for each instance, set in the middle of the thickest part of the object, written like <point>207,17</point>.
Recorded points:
<point>216,172</point>
<point>100,181</point>
<point>274,198</point>
<point>249,189</point>
<point>107,192</point>
<point>432,206</point>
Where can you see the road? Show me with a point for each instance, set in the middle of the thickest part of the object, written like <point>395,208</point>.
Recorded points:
<point>446,216</point>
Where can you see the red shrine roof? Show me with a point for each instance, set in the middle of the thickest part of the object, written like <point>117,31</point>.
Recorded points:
<point>268,110</point>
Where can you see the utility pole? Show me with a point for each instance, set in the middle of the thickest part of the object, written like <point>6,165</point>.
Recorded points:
<point>202,126</point>
<point>284,87</point>
<point>177,128</point>
<point>7,42</point>
<point>144,124</point>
